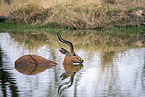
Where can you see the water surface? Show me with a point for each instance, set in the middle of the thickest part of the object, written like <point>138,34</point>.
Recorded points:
<point>106,72</point>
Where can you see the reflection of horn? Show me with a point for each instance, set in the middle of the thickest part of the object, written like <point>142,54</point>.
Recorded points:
<point>65,41</point>
<point>70,71</point>
<point>71,83</point>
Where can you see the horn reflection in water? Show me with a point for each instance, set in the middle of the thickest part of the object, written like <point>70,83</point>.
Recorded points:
<point>70,71</point>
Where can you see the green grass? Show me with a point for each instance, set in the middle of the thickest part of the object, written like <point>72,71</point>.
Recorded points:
<point>26,28</point>
<point>120,36</point>
<point>9,27</point>
<point>127,30</point>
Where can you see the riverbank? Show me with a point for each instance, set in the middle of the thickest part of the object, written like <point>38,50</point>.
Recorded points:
<point>119,36</point>
<point>74,14</point>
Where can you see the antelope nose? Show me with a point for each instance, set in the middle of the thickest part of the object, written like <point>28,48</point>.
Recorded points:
<point>82,61</point>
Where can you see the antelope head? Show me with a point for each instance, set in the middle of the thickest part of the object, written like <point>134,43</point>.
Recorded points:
<point>70,56</point>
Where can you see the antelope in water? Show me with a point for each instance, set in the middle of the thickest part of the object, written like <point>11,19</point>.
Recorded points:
<point>70,58</point>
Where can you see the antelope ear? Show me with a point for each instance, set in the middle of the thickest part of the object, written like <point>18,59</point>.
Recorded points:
<point>63,51</point>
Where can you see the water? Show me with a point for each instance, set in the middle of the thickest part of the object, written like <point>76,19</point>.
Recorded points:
<point>111,72</point>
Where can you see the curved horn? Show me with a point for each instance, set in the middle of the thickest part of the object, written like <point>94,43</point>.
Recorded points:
<point>65,41</point>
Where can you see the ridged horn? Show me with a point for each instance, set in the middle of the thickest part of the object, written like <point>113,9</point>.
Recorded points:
<point>65,41</point>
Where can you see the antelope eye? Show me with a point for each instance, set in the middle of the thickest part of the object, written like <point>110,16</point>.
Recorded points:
<point>74,54</point>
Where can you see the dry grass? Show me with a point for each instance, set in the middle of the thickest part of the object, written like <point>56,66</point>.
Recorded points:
<point>78,14</point>
<point>4,8</point>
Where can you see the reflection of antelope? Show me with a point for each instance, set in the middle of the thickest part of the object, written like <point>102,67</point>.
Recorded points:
<point>70,58</point>
<point>70,71</point>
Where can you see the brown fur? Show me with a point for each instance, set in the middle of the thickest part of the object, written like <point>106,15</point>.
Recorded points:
<point>33,64</point>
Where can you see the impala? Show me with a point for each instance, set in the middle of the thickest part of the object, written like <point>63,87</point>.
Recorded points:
<point>70,58</point>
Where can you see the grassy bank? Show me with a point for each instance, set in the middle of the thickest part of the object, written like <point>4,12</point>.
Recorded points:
<point>26,28</point>
<point>121,36</point>
<point>76,14</point>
